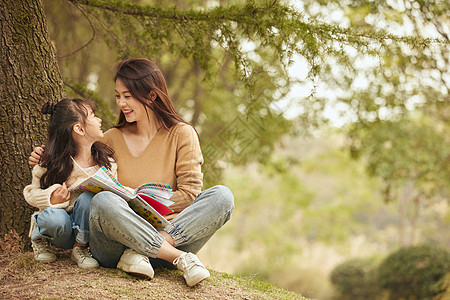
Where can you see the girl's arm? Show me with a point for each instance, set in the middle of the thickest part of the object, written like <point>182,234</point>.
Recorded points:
<point>41,198</point>
<point>60,195</point>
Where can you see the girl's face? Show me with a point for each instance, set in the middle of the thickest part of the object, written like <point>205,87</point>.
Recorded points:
<point>131,108</point>
<point>93,125</point>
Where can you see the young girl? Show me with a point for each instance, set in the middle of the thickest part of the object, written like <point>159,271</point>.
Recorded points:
<point>72,154</point>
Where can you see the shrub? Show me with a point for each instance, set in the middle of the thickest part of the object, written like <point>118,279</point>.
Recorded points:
<point>355,279</point>
<point>444,285</point>
<point>414,272</point>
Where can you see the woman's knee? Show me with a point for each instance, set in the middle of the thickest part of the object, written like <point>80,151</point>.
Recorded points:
<point>224,197</point>
<point>106,202</point>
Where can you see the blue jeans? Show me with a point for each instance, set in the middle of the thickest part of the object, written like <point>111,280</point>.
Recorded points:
<point>64,228</point>
<point>114,226</point>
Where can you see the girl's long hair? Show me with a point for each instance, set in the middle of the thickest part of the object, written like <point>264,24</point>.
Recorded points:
<point>142,76</point>
<point>61,146</point>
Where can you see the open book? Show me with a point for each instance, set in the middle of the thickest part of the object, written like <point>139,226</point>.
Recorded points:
<point>150,200</point>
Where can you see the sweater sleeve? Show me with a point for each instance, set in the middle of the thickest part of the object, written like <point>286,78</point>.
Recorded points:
<point>188,172</point>
<point>40,198</point>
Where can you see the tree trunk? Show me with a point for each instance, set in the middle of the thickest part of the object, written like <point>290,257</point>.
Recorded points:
<point>29,76</point>
<point>402,219</point>
<point>416,206</point>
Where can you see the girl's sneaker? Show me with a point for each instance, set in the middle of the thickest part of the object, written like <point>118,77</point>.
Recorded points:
<point>42,251</point>
<point>83,257</point>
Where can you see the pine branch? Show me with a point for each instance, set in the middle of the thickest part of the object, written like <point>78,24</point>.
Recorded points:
<point>90,40</point>
<point>273,15</point>
<point>173,13</point>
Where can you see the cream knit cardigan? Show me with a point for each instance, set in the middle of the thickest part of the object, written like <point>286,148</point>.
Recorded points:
<point>40,198</point>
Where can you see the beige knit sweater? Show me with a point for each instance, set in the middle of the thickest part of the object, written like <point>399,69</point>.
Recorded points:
<point>172,157</point>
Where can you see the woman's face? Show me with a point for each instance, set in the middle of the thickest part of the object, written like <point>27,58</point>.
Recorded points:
<point>131,108</point>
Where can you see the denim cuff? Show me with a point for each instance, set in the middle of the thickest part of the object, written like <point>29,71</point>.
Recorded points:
<point>35,234</point>
<point>82,236</point>
<point>177,236</point>
<point>155,245</point>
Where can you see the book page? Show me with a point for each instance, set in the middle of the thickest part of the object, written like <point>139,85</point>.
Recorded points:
<point>105,176</point>
<point>148,213</point>
<point>158,191</point>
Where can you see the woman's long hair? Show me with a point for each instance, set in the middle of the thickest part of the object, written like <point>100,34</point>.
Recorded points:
<point>142,76</point>
<point>61,146</point>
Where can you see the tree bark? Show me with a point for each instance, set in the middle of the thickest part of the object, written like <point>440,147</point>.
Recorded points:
<point>29,76</point>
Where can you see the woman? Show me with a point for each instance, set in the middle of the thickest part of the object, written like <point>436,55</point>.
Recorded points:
<point>152,143</point>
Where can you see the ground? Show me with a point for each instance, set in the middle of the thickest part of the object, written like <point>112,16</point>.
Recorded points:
<point>21,277</point>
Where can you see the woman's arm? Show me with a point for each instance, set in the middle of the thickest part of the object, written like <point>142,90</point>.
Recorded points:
<point>35,155</point>
<point>188,172</point>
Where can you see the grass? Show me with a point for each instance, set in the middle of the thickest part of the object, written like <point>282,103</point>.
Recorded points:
<point>21,277</point>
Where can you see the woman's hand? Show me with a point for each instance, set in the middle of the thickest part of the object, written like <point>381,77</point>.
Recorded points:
<point>35,156</point>
<point>60,195</point>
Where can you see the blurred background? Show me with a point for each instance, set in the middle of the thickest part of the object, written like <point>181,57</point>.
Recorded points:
<point>334,140</point>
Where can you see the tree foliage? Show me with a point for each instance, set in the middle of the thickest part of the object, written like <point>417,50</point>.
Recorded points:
<point>397,103</point>
<point>407,151</point>
<point>401,78</point>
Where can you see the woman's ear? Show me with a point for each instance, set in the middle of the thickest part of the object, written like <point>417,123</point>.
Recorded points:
<point>78,129</point>
<point>152,95</point>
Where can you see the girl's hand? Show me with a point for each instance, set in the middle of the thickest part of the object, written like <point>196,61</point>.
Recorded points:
<point>60,195</point>
<point>35,156</point>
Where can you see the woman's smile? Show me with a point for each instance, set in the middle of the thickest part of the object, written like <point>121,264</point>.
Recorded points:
<point>127,112</point>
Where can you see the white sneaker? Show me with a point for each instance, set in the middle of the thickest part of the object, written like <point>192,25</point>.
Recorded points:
<point>193,270</point>
<point>42,251</point>
<point>135,263</point>
<point>83,257</point>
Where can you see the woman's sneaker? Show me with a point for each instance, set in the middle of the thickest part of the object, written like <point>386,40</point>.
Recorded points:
<point>193,270</point>
<point>42,251</point>
<point>83,257</point>
<point>135,263</point>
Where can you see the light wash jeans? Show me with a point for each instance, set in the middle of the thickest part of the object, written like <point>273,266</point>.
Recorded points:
<point>114,226</point>
<point>63,228</point>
